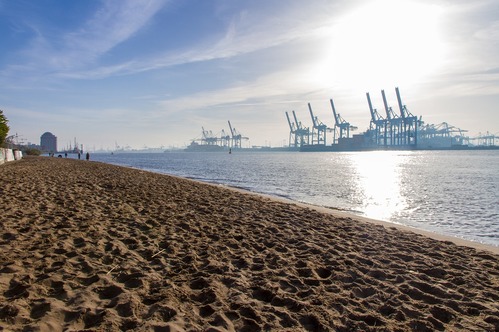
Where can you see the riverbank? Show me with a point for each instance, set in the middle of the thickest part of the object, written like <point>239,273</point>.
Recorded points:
<point>94,246</point>
<point>415,189</point>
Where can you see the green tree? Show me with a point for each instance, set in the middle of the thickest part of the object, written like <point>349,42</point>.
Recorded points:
<point>4,128</point>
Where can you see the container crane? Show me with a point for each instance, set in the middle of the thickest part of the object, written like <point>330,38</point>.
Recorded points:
<point>377,124</point>
<point>224,139</point>
<point>440,135</point>
<point>410,121</point>
<point>487,139</point>
<point>303,133</point>
<point>236,137</point>
<point>208,138</point>
<point>318,126</point>
<point>341,124</point>
<point>393,122</point>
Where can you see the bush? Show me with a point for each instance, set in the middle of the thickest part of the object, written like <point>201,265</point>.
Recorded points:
<point>32,152</point>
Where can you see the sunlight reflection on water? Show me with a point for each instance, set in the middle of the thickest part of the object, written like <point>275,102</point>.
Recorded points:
<point>378,183</point>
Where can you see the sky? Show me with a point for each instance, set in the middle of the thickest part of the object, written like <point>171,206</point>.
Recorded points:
<point>153,73</point>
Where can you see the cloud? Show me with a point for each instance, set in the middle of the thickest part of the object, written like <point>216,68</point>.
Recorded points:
<point>114,23</point>
<point>490,33</point>
<point>258,100</point>
<point>246,32</point>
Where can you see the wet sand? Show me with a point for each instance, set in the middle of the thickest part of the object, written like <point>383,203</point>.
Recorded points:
<point>96,247</point>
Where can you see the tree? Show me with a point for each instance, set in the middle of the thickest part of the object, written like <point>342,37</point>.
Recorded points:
<point>4,128</point>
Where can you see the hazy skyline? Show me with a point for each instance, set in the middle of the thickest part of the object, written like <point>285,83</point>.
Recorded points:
<point>152,73</point>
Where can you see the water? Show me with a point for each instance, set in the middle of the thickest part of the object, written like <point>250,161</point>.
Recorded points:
<point>448,192</point>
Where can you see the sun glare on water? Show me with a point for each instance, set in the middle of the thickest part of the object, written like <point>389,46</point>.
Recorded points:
<point>379,183</point>
<point>382,43</point>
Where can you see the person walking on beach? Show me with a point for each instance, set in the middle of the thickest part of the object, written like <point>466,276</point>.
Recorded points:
<point>88,156</point>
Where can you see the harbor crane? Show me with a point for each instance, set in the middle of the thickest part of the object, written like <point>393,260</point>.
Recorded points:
<point>208,138</point>
<point>393,124</point>
<point>319,128</point>
<point>303,133</point>
<point>487,139</point>
<point>442,133</point>
<point>340,124</point>
<point>224,139</point>
<point>236,137</point>
<point>377,124</point>
<point>410,121</point>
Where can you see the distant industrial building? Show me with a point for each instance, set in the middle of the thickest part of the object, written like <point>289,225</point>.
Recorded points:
<point>48,142</point>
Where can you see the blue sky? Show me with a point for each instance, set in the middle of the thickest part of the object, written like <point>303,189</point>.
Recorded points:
<point>152,72</point>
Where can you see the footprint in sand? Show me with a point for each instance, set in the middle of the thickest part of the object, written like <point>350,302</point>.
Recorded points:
<point>109,292</point>
<point>131,280</point>
<point>17,290</point>
<point>38,310</point>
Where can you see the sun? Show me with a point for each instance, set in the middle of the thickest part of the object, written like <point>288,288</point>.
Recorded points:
<point>382,43</point>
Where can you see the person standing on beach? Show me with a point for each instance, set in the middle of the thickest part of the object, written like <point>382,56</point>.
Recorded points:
<point>88,156</point>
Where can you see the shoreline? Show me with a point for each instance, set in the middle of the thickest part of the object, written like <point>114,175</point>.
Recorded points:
<point>341,214</point>
<point>349,215</point>
<point>462,220</point>
<point>344,214</point>
<point>95,246</point>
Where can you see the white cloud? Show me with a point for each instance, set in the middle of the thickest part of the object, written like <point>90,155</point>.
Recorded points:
<point>244,34</point>
<point>114,23</point>
<point>490,33</point>
<point>278,87</point>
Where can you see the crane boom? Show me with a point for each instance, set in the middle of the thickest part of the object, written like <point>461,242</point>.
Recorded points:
<point>375,116</point>
<point>312,115</point>
<point>289,122</point>
<point>298,124</point>
<point>370,107</point>
<point>387,109</point>
<point>401,107</point>
<point>336,119</point>
<point>231,131</point>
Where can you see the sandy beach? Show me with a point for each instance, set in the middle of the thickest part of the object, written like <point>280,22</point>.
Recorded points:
<point>87,246</point>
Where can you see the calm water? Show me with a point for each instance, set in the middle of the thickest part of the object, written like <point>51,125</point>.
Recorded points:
<point>449,192</point>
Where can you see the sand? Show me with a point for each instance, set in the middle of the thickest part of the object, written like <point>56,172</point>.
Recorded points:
<point>96,247</point>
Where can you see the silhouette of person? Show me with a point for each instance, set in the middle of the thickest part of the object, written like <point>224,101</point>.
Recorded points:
<point>88,156</point>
